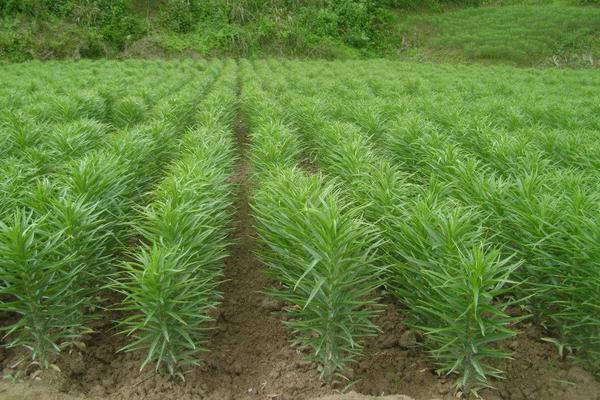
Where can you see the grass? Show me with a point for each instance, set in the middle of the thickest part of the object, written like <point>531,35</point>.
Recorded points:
<point>541,34</point>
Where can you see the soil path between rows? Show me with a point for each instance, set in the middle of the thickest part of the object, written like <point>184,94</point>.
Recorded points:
<point>252,356</point>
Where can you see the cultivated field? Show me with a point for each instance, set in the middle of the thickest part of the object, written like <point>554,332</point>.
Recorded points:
<point>289,229</point>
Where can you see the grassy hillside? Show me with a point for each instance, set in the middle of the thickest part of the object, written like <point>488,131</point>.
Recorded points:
<point>520,32</point>
<point>523,34</point>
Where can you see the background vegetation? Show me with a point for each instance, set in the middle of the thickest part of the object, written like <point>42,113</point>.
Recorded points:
<point>554,32</point>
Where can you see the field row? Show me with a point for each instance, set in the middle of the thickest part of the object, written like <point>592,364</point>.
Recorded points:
<point>150,181</point>
<point>482,226</point>
<point>471,198</point>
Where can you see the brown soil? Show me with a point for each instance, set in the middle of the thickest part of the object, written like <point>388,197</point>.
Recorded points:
<point>252,357</point>
<point>393,363</point>
<point>253,360</point>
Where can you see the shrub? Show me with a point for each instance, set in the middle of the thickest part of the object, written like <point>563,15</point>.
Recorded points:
<point>180,15</point>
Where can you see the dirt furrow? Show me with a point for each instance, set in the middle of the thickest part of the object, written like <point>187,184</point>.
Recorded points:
<point>252,357</point>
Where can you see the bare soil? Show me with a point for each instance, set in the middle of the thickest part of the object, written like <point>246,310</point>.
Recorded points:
<point>252,357</point>
<point>394,363</point>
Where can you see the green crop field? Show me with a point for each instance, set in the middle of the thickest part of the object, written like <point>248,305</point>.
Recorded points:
<point>201,226</point>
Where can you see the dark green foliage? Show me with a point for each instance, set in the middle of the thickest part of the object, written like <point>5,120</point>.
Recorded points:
<point>177,16</point>
<point>355,20</point>
<point>116,25</point>
<point>107,21</point>
<point>519,31</point>
<point>240,27</point>
<point>35,7</point>
<point>180,15</point>
<point>430,4</point>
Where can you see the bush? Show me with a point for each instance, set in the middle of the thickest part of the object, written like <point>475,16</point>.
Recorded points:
<point>416,4</point>
<point>318,21</point>
<point>111,19</point>
<point>35,7</point>
<point>179,15</point>
<point>116,24</point>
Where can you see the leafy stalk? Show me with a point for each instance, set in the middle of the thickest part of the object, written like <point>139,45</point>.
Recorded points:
<point>34,276</point>
<point>323,256</point>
